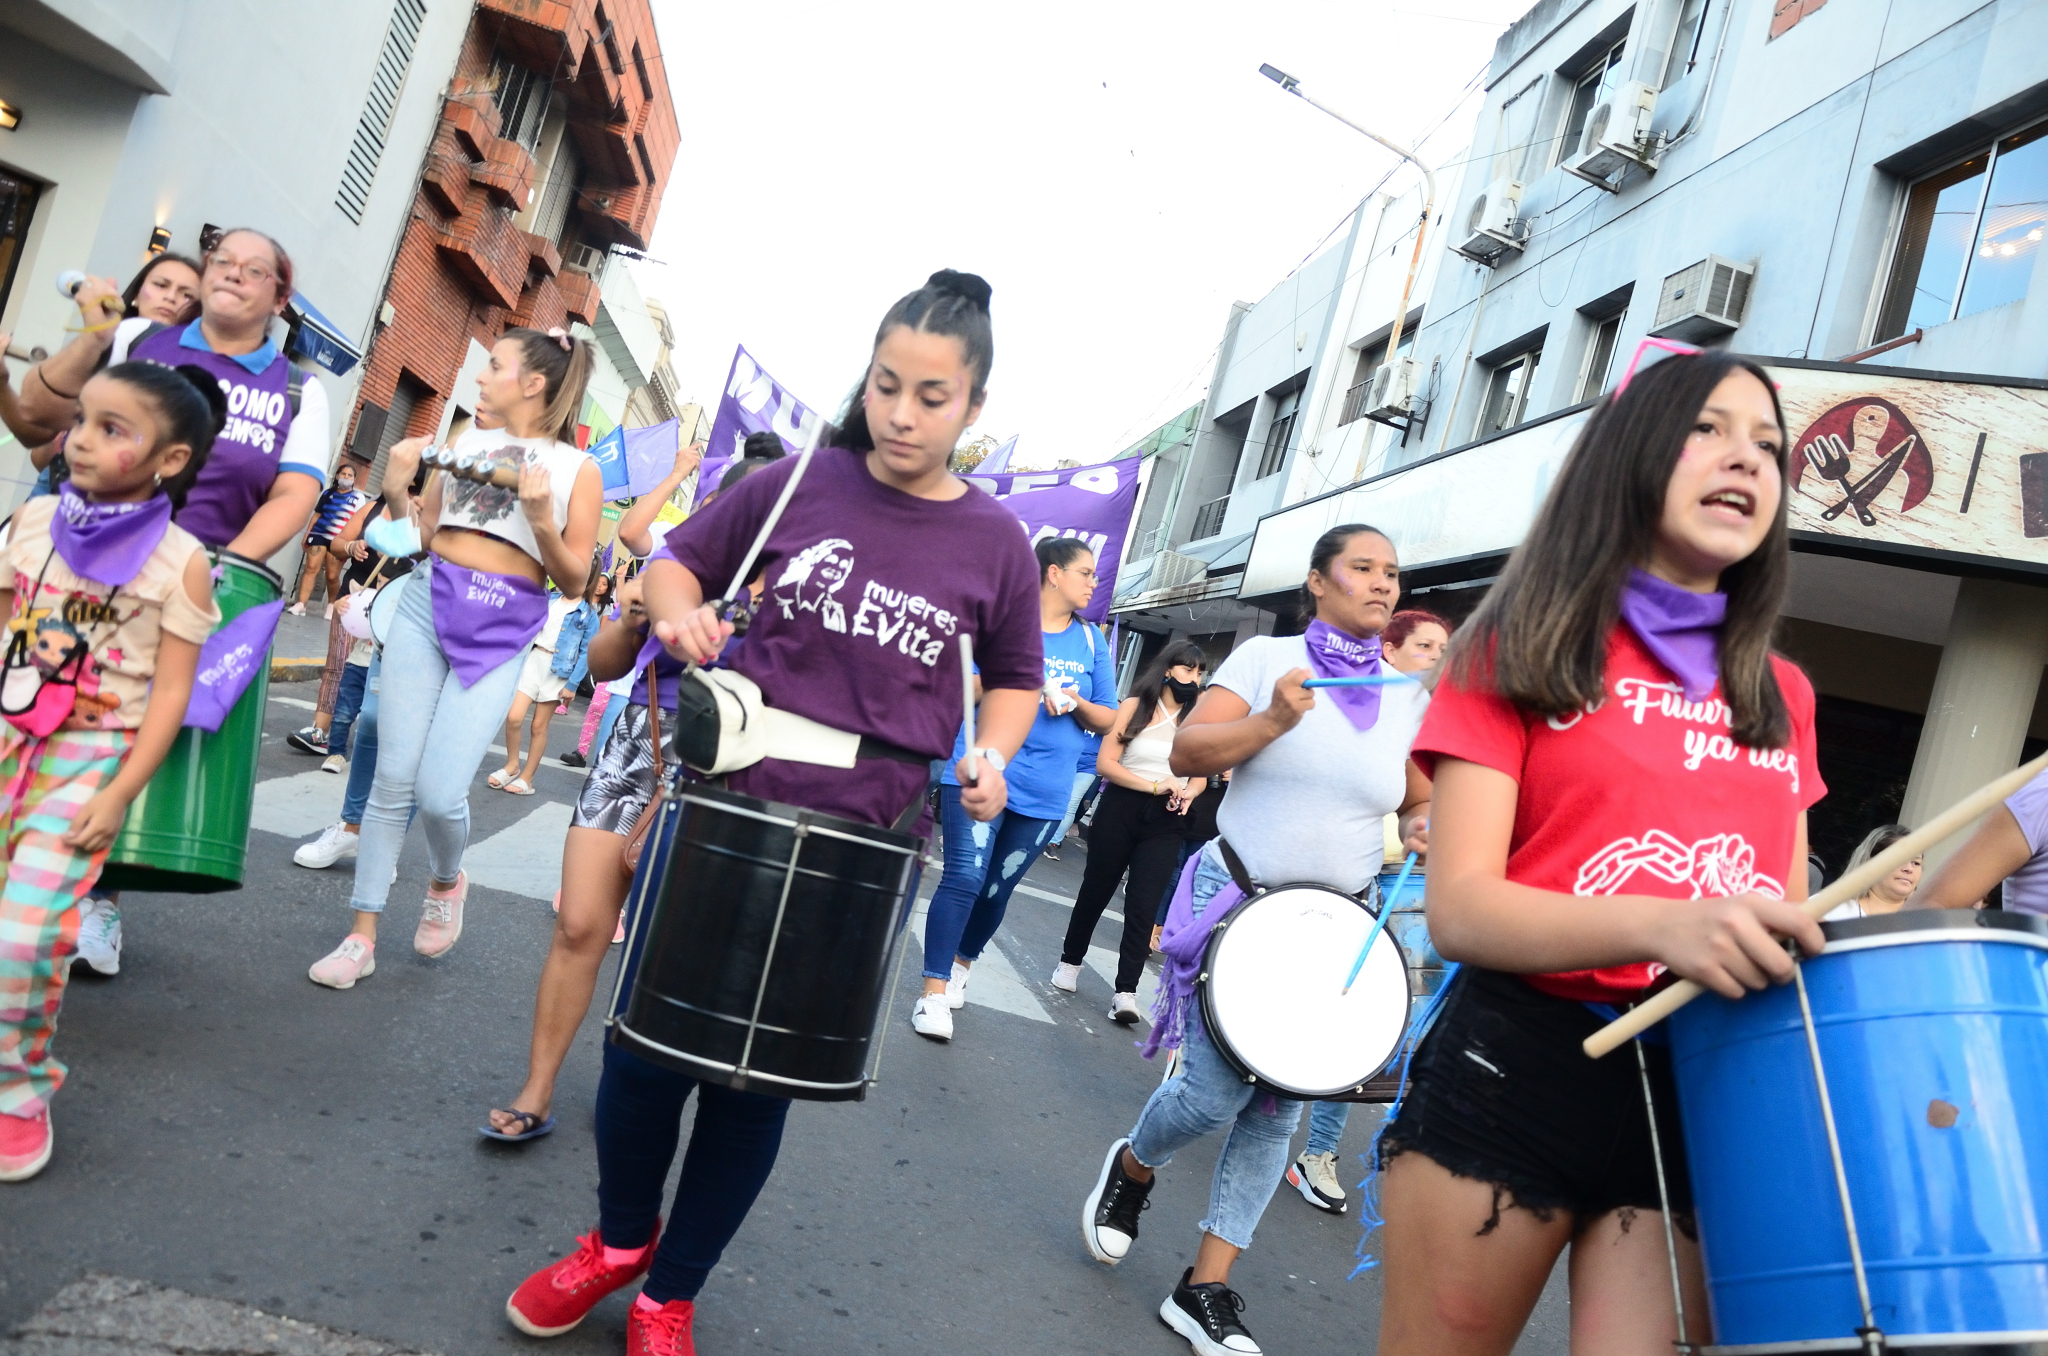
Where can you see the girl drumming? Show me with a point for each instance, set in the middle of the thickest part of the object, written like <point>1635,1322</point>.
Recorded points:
<point>109,603</point>
<point>461,630</point>
<point>1622,771</point>
<point>881,560</point>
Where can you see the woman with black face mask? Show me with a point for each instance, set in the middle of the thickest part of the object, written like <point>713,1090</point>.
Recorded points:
<point>1138,826</point>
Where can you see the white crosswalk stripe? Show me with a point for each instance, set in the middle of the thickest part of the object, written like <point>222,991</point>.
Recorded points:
<point>298,806</point>
<point>995,984</point>
<point>525,859</point>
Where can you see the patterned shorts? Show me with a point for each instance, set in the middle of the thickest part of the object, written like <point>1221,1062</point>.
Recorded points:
<point>621,781</point>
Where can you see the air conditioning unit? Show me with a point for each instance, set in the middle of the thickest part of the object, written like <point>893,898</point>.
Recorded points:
<point>585,259</point>
<point>1392,395</point>
<point>1494,225</point>
<point>1172,570</point>
<point>1704,301</point>
<point>1617,135</point>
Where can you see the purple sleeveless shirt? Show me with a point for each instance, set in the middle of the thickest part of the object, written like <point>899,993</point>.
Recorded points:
<point>238,472</point>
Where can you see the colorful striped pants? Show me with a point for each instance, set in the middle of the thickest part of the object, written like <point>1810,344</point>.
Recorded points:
<point>44,783</point>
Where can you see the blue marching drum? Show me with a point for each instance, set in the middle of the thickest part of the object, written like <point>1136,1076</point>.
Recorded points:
<point>1932,1036</point>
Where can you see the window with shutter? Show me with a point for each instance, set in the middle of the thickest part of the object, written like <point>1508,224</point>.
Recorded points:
<point>378,107</point>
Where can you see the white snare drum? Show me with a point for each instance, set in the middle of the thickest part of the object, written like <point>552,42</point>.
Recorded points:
<point>1273,999</point>
<point>384,606</point>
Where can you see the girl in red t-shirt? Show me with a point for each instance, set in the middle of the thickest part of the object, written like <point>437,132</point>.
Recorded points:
<point>1622,771</point>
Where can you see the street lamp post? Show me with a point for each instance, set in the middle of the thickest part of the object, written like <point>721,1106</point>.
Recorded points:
<point>1293,86</point>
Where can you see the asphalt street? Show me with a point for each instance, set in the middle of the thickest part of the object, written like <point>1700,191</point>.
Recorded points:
<point>242,1135</point>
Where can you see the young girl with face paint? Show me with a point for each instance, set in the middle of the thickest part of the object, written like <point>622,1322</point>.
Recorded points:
<point>881,561</point>
<point>1622,772</point>
<point>1312,776</point>
<point>100,572</point>
<point>461,631</point>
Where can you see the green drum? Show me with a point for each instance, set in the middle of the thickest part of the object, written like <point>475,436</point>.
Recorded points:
<point>188,831</point>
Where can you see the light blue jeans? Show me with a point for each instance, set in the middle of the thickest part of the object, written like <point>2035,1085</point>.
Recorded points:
<point>1082,781</point>
<point>432,735</point>
<point>1206,1095</point>
<point>1326,1121</point>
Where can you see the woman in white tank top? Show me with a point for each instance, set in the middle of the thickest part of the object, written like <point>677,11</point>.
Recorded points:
<point>459,637</point>
<point>1139,822</point>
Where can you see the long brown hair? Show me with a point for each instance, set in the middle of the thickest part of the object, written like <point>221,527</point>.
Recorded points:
<point>566,363</point>
<point>1540,637</point>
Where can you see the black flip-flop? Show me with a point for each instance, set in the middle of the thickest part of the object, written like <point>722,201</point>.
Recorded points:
<point>535,1128</point>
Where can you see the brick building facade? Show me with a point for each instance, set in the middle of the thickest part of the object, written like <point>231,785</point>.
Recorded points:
<point>556,138</point>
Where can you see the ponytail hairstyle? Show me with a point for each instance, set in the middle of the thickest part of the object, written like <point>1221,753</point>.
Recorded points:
<point>191,407</point>
<point>950,303</point>
<point>566,363</point>
<point>1152,682</point>
<point>1540,637</point>
<point>1327,548</point>
<point>1060,551</point>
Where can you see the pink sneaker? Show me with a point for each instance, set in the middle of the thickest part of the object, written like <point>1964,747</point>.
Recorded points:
<point>441,923</point>
<point>354,959</point>
<point>24,1145</point>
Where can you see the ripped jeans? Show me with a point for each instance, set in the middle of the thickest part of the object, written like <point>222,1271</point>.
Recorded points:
<point>984,863</point>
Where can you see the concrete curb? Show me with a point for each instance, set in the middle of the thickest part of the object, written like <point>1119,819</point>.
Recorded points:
<point>297,670</point>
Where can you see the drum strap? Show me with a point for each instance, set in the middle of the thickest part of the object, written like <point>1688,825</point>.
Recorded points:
<point>1238,875</point>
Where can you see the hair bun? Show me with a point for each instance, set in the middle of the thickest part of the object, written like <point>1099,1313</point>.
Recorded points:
<point>209,390</point>
<point>972,286</point>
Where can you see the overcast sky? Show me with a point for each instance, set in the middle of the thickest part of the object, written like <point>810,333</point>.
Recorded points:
<point>1117,170</point>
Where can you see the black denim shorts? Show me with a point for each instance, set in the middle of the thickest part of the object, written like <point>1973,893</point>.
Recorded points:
<point>1500,1092</point>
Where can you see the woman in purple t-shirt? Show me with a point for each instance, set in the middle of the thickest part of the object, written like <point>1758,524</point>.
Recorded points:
<point>880,562</point>
<point>2010,846</point>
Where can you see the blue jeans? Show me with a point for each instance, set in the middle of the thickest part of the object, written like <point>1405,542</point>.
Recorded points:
<point>434,734</point>
<point>984,863</point>
<point>362,764</point>
<point>613,709</point>
<point>1082,781</point>
<point>1207,1095</point>
<point>1326,1121</point>
<point>733,1144</point>
<point>348,705</point>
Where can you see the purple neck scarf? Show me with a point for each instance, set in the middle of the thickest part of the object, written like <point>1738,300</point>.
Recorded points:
<point>484,619</point>
<point>107,543</point>
<point>1680,628</point>
<point>1182,944</point>
<point>1332,654</point>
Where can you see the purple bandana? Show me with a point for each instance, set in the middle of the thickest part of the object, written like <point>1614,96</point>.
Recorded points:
<point>1680,628</point>
<point>107,543</point>
<point>1182,944</point>
<point>228,663</point>
<point>1332,654</point>
<point>484,619</point>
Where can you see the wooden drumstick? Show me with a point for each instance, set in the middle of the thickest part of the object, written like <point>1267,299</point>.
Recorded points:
<point>1852,884</point>
<point>34,355</point>
<point>967,700</point>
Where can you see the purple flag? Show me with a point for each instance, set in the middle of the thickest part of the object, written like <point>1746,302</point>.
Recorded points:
<point>1093,503</point>
<point>754,402</point>
<point>998,461</point>
<point>650,455</point>
<point>228,663</point>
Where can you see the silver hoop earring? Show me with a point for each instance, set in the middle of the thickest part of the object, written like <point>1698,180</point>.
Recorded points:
<point>156,479</point>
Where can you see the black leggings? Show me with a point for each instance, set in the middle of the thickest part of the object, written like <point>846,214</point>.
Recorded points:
<point>1136,832</point>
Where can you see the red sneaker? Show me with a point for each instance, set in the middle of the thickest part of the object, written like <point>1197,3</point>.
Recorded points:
<point>556,1298</point>
<point>661,1332</point>
<point>24,1145</point>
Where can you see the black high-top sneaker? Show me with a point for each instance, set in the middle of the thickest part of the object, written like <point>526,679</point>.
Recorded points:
<point>1207,1316</point>
<point>1109,1217</point>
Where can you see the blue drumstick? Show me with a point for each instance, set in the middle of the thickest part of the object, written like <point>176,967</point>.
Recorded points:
<point>1369,680</point>
<point>1386,908</point>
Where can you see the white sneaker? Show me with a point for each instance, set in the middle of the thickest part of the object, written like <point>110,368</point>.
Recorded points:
<point>932,1017</point>
<point>335,763</point>
<point>1066,977</point>
<point>1123,1009</point>
<point>956,987</point>
<point>99,935</point>
<point>1315,1177</point>
<point>334,843</point>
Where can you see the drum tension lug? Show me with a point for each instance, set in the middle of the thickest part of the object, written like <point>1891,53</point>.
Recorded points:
<point>1873,1341</point>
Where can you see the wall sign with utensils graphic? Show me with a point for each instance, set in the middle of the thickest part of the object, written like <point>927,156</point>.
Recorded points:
<point>1904,459</point>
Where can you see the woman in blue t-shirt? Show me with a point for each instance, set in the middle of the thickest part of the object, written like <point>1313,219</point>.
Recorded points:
<point>984,862</point>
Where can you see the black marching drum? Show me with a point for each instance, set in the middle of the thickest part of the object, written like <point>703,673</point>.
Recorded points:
<point>759,940</point>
